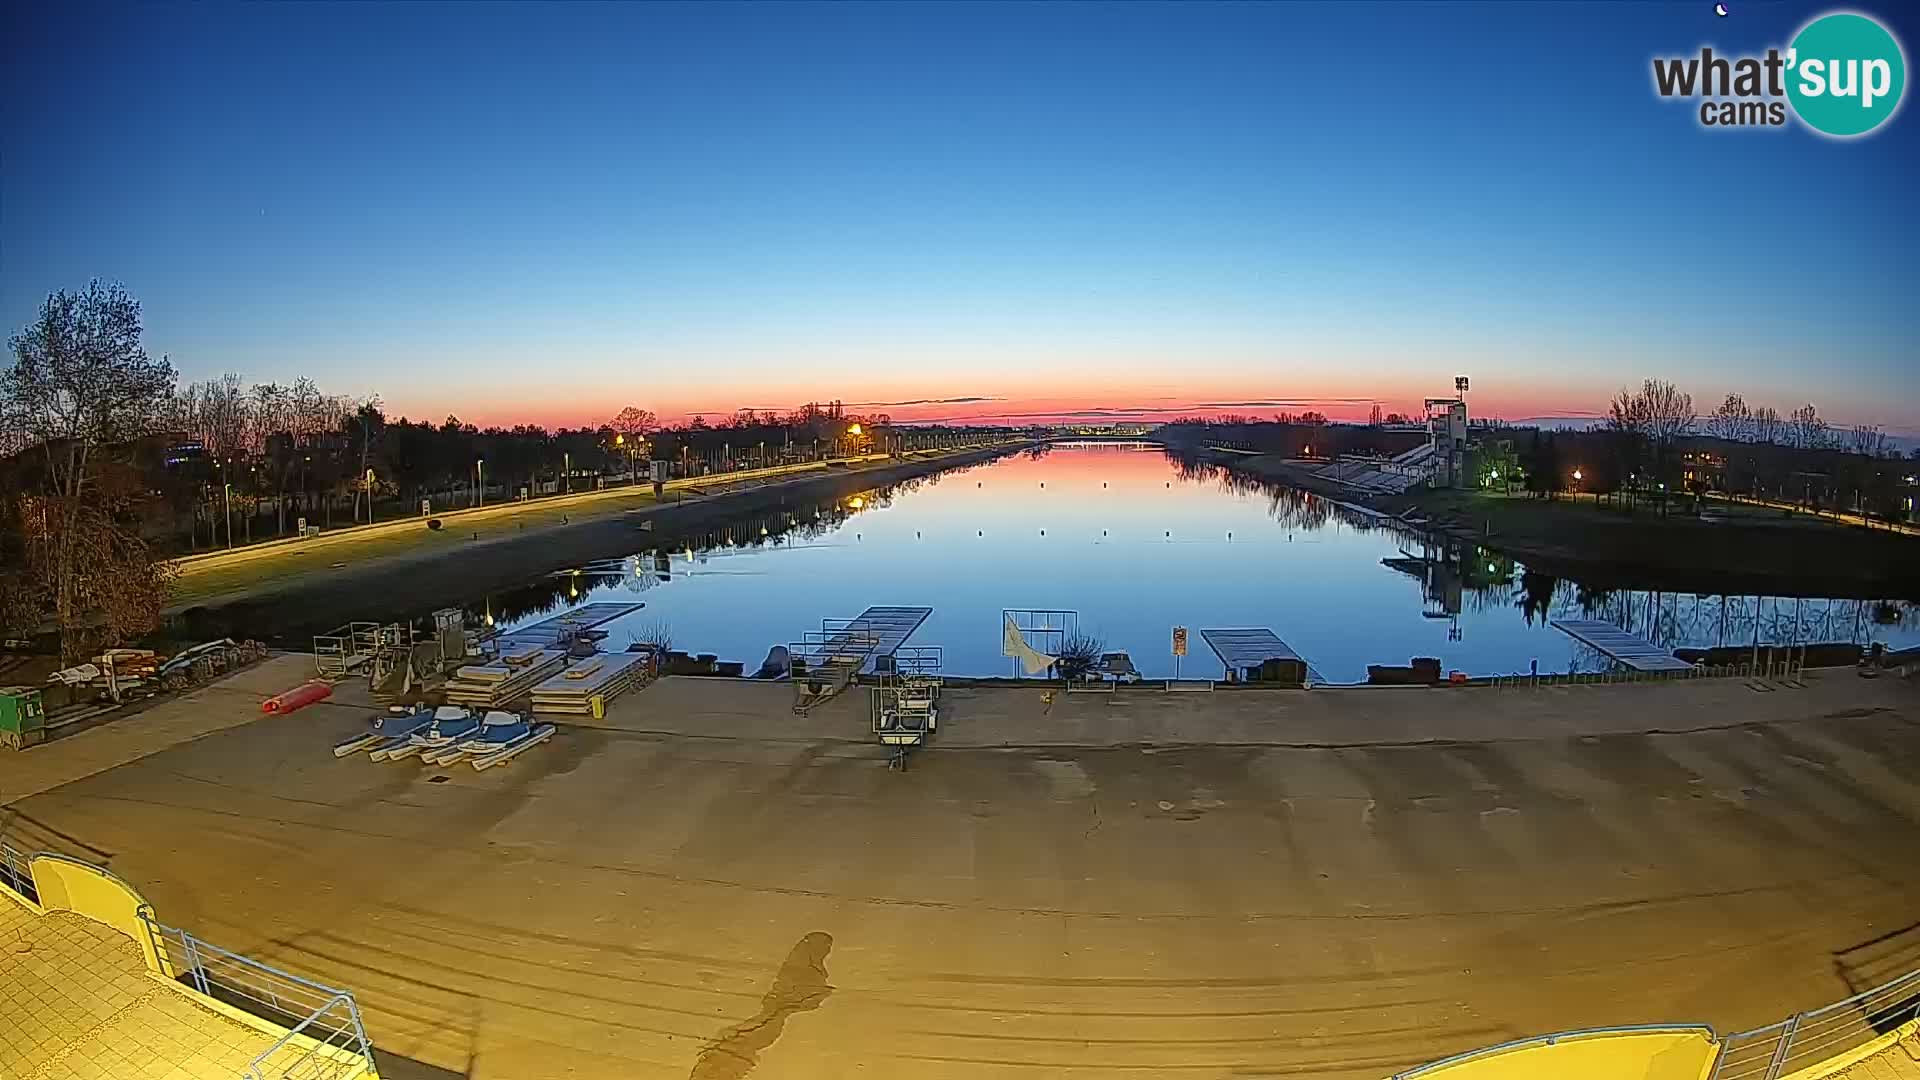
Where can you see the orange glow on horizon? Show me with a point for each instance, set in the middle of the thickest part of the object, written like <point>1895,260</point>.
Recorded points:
<point>1107,409</point>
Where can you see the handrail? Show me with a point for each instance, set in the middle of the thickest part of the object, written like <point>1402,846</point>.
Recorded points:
<point>327,1057</point>
<point>221,973</point>
<point>1552,1040</point>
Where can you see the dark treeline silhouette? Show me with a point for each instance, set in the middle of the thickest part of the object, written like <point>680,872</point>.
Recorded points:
<point>1650,449</point>
<point>254,461</point>
<point>1292,437</point>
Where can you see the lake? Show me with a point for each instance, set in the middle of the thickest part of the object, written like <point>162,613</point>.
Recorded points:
<point>1133,542</point>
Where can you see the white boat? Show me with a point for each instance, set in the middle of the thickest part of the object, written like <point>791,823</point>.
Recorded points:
<point>397,723</point>
<point>506,752</point>
<point>498,730</point>
<point>450,725</point>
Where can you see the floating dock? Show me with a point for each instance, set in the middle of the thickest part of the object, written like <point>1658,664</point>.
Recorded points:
<point>518,669</point>
<point>874,633</point>
<point>1616,644</point>
<point>549,633</point>
<point>829,659</point>
<point>1257,655</point>
<point>605,676</point>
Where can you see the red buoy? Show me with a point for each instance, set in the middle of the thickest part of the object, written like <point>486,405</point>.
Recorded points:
<point>304,694</point>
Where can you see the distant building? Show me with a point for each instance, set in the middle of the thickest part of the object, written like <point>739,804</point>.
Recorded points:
<point>1703,470</point>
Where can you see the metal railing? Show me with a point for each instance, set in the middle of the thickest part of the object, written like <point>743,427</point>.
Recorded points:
<point>325,1038</point>
<point>16,873</point>
<point>338,652</point>
<point>331,1044</point>
<point>1781,671</point>
<point>1808,1038</point>
<point>1553,1040</point>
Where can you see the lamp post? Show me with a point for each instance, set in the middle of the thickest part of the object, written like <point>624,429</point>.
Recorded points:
<point>227,497</point>
<point>369,496</point>
<point>1576,485</point>
<point>566,473</point>
<point>479,481</point>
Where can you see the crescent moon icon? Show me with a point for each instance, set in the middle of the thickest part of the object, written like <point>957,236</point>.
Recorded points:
<point>1720,10</point>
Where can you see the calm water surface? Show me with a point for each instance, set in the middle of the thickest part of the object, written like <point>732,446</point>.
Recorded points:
<point>1135,544</point>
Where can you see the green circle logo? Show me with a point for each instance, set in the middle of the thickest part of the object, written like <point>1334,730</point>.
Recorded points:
<point>1846,74</point>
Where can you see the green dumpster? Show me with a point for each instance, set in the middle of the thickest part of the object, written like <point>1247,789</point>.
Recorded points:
<point>23,717</point>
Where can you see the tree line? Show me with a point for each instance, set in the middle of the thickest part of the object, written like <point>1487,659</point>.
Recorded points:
<point>108,464</point>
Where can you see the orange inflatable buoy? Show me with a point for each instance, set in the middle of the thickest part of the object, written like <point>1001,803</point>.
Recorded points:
<point>302,695</point>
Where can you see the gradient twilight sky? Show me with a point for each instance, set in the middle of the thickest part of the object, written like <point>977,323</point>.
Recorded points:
<point>546,212</point>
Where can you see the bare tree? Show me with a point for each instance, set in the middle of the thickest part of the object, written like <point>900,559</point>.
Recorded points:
<point>1668,411</point>
<point>1869,440</point>
<point>82,389</point>
<point>1765,424</point>
<point>1731,421</point>
<point>1626,413</point>
<point>1653,419</point>
<point>1079,655</point>
<point>1808,431</point>
<point>218,414</point>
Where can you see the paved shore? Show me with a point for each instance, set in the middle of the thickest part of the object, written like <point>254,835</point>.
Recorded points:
<point>1325,883</point>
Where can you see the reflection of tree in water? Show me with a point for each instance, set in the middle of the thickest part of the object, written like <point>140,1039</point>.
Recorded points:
<point>771,527</point>
<point>566,588</point>
<point>1291,507</point>
<point>1701,620</point>
<point>1458,575</point>
<point>1535,599</point>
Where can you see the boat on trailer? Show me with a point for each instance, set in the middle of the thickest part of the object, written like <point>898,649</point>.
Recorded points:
<point>397,722</point>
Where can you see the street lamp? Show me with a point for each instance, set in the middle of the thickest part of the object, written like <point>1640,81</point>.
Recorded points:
<point>1576,483</point>
<point>480,481</point>
<point>228,499</point>
<point>369,496</point>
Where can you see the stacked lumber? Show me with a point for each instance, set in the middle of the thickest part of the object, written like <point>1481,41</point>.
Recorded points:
<point>604,676</point>
<point>508,677</point>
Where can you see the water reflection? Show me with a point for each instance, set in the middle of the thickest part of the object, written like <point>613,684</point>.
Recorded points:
<point>1134,542</point>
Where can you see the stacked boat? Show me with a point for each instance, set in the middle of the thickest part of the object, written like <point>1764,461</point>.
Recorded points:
<point>603,676</point>
<point>506,678</point>
<point>447,735</point>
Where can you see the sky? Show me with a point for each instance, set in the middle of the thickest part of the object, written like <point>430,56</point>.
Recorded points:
<point>544,213</point>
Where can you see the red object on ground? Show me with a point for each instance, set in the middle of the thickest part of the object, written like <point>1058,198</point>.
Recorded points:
<point>304,694</point>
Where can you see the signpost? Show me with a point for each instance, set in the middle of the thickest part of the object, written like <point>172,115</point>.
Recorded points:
<point>1179,648</point>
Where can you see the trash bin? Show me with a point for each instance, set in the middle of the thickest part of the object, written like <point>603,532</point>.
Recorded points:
<point>23,717</point>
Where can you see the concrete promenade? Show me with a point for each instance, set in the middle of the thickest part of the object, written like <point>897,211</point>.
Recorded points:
<point>1325,883</point>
